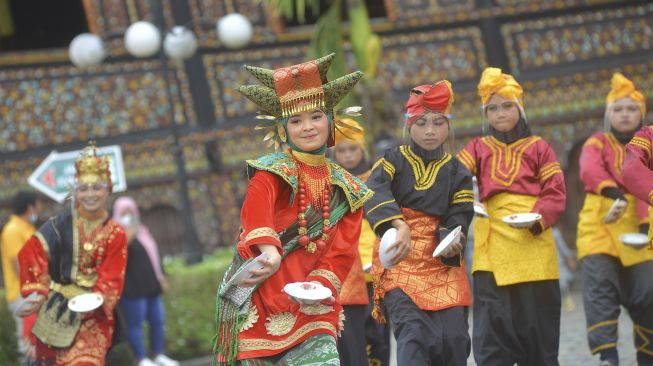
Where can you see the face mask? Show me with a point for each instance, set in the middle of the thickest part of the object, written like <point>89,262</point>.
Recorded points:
<point>33,218</point>
<point>126,220</point>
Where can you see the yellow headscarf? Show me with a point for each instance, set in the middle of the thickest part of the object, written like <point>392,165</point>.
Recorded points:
<point>344,134</point>
<point>493,81</point>
<point>621,87</point>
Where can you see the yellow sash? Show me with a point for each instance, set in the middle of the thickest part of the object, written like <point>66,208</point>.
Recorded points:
<point>513,255</point>
<point>595,237</point>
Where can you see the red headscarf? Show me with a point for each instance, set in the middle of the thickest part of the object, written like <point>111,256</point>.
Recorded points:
<point>436,98</point>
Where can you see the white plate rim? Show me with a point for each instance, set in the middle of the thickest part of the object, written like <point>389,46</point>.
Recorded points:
<point>536,217</point>
<point>289,289</point>
<point>625,242</point>
<point>245,269</point>
<point>446,242</point>
<point>73,304</point>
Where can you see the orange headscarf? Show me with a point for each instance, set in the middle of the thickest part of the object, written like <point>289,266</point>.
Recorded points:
<point>621,87</point>
<point>344,134</point>
<point>437,98</point>
<point>493,81</point>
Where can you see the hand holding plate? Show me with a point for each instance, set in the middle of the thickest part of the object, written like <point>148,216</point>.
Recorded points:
<point>270,266</point>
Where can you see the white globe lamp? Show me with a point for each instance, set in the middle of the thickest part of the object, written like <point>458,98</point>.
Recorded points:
<point>142,39</point>
<point>86,49</point>
<point>234,30</point>
<point>180,43</point>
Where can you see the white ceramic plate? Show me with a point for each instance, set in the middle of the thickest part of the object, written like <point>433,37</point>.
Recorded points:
<point>612,215</point>
<point>308,292</point>
<point>634,239</point>
<point>479,210</point>
<point>367,268</point>
<point>453,237</point>
<point>522,220</point>
<point>244,273</point>
<point>389,237</point>
<point>85,302</point>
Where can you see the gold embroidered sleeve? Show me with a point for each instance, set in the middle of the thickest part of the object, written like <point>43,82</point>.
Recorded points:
<point>261,232</point>
<point>549,170</point>
<point>329,276</point>
<point>463,196</point>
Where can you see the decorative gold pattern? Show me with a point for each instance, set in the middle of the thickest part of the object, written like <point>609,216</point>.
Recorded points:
<point>467,160</point>
<point>424,175</point>
<point>643,144</point>
<point>387,166</point>
<point>317,309</point>
<point>252,318</point>
<point>280,324</point>
<point>261,232</point>
<point>44,242</point>
<point>506,159</point>
<point>330,276</point>
<point>646,335</point>
<point>463,196</point>
<point>549,170</point>
<point>618,150</point>
<point>266,344</point>
<point>379,205</point>
<point>341,322</point>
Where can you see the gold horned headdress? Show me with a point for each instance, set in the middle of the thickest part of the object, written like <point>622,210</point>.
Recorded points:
<point>91,168</point>
<point>299,88</point>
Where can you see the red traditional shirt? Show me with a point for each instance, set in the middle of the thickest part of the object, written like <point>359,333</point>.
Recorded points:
<point>527,166</point>
<point>638,166</point>
<point>274,322</point>
<point>601,162</point>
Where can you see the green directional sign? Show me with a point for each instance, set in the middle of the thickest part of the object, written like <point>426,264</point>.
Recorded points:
<point>56,174</point>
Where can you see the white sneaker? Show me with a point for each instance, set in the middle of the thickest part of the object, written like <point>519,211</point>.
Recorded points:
<point>147,362</point>
<point>163,360</point>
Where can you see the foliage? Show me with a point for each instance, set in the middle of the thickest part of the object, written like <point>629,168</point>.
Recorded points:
<point>190,304</point>
<point>8,345</point>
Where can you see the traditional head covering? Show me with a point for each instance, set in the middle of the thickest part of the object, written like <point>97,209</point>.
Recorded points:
<point>91,168</point>
<point>143,235</point>
<point>621,87</point>
<point>436,98</point>
<point>355,134</point>
<point>493,81</point>
<point>295,89</point>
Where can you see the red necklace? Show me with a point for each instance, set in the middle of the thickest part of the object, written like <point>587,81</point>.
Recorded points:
<point>304,239</point>
<point>314,178</point>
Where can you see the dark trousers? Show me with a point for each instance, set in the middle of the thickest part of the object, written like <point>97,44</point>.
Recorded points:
<point>435,338</point>
<point>607,285</point>
<point>351,345</point>
<point>517,323</point>
<point>377,334</point>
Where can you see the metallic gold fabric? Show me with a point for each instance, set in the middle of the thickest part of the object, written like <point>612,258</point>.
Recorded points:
<point>595,237</point>
<point>431,284</point>
<point>513,255</point>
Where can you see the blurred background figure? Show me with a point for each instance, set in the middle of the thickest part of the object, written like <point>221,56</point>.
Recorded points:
<point>79,251</point>
<point>364,341</point>
<point>26,207</point>
<point>568,266</point>
<point>144,284</point>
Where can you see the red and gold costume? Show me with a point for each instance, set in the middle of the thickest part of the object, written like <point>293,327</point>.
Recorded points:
<point>515,269</point>
<point>70,255</point>
<point>524,176</point>
<point>601,163</point>
<point>615,275</point>
<point>638,166</point>
<point>306,206</point>
<point>638,170</point>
